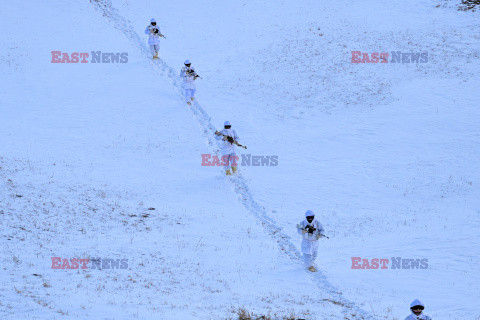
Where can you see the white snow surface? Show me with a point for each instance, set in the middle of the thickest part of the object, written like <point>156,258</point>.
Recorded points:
<point>387,155</point>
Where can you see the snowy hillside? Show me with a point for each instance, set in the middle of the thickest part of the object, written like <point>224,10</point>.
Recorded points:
<point>102,161</point>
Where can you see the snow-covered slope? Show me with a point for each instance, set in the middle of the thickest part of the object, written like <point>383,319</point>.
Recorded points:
<point>385,154</point>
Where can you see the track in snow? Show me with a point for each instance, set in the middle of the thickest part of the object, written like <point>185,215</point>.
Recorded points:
<point>351,311</point>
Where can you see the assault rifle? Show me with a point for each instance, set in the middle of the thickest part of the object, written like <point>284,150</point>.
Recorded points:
<point>310,230</point>
<point>192,72</point>
<point>225,138</point>
<point>156,31</point>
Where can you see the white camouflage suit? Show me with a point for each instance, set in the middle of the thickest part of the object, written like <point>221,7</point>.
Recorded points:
<point>310,241</point>
<point>421,316</point>
<point>153,38</point>
<point>188,83</point>
<point>228,149</point>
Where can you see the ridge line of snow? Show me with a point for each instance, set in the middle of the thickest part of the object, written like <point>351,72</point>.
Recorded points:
<point>239,183</point>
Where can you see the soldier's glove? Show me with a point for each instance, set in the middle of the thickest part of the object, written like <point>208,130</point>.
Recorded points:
<point>156,31</point>
<point>304,231</point>
<point>311,229</point>
<point>230,139</point>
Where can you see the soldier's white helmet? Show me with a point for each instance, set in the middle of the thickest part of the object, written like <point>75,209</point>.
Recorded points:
<point>309,213</point>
